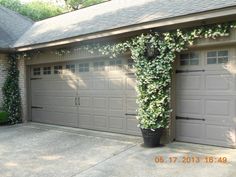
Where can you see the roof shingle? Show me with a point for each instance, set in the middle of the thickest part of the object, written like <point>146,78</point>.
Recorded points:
<point>114,14</point>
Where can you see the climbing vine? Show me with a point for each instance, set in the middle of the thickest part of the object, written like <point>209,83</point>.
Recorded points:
<point>11,91</point>
<point>154,72</point>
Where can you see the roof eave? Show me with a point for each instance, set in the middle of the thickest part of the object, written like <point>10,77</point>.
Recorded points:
<point>144,26</point>
<point>7,50</point>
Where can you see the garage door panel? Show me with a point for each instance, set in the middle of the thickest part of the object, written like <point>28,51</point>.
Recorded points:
<point>130,83</point>
<point>62,101</point>
<point>217,132</point>
<point>100,122</point>
<point>189,106</point>
<point>116,84</point>
<point>220,110</point>
<point>100,112</point>
<point>85,83</point>
<point>189,129</point>
<point>85,101</point>
<point>97,100</point>
<point>86,121</point>
<point>64,93</point>
<point>218,82</point>
<point>52,85</point>
<point>116,103</point>
<point>45,100</point>
<point>100,83</point>
<point>118,113</point>
<point>59,85</point>
<point>188,82</point>
<point>61,109</point>
<point>38,99</point>
<point>87,111</point>
<point>132,123</point>
<point>57,101</point>
<point>100,102</point>
<point>55,117</point>
<point>219,120</point>
<point>36,85</point>
<point>52,100</point>
<point>131,105</point>
<point>116,123</point>
<point>217,107</point>
<point>206,93</point>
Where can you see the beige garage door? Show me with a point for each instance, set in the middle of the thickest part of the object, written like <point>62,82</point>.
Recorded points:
<point>206,97</point>
<point>94,94</point>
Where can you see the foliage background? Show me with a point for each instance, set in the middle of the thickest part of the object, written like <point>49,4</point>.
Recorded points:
<point>39,10</point>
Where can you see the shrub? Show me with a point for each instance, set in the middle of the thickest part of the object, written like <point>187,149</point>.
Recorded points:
<point>3,117</point>
<point>11,91</point>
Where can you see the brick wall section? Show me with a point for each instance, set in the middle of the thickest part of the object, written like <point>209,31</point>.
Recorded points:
<point>23,88</point>
<point>3,73</point>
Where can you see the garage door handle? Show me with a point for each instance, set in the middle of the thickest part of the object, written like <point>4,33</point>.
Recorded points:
<point>188,118</point>
<point>76,103</point>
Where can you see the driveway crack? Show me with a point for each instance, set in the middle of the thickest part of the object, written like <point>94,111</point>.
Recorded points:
<point>106,159</point>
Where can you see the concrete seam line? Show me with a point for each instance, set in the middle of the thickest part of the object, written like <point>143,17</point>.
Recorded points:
<point>114,155</point>
<point>84,133</point>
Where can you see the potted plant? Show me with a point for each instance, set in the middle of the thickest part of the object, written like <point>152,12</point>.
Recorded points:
<point>153,71</point>
<point>153,120</point>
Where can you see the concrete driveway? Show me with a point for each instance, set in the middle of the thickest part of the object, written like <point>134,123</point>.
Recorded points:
<point>35,150</point>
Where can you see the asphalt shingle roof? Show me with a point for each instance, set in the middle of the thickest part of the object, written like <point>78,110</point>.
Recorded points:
<point>12,26</point>
<point>114,14</point>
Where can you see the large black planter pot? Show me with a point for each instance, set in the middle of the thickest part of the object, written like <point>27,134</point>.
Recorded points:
<point>152,138</point>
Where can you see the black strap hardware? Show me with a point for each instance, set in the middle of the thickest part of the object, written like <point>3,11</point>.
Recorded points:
<point>189,71</point>
<point>188,118</point>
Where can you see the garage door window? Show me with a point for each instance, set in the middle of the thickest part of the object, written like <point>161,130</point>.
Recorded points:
<point>58,69</point>
<point>191,58</point>
<point>36,71</point>
<point>47,70</point>
<point>115,64</point>
<point>99,66</point>
<point>217,57</point>
<point>71,68</point>
<point>84,67</point>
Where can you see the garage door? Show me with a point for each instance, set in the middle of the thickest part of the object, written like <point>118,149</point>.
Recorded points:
<point>206,97</point>
<point>93,94</point>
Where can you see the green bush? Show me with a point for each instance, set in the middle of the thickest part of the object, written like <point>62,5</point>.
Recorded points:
<point>11,91</point>
<point>3,117</point>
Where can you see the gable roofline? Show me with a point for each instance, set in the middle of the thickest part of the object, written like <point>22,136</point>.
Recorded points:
<point>12,26</point>
<point>18,14</point>
<point>202,16</point>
